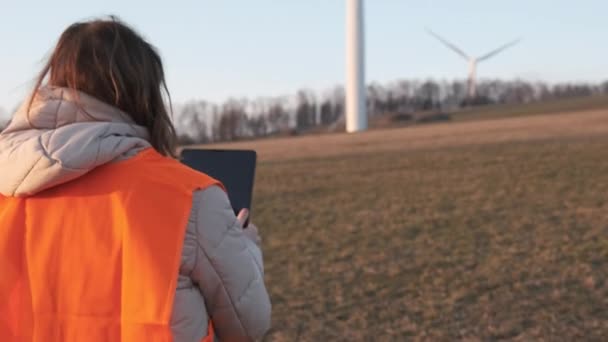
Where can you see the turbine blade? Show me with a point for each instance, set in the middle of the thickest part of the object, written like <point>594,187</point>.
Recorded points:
<point>449,45</point>
<point>499,50</point>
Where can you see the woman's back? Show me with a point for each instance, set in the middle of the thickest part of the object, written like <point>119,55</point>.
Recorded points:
<point>86,171</point>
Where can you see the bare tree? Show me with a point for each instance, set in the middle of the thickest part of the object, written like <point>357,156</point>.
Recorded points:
<point>405,91</point>
<point>305,110</point>
<point>215,124</point>
<point>257,121</point>
<point>456,91</point>
<point>429,94</point>
<point>277,117</point>
<point>604,88</point>
<point>232,120</point>
<point>338,103</point>
<point>192,123</point>
<point>258,125</point>
<point>373,95</point>
<point>327,114</point>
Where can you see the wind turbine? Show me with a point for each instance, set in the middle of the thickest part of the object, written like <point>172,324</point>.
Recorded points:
<point>473,61</point>
<point>356,110</point>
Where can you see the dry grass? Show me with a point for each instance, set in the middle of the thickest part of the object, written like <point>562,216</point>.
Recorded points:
<point>586,103</point>
<point>433,136</point>
<point>465,231</point>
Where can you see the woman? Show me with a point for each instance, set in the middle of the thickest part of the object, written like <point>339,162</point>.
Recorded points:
<point>103,236</point>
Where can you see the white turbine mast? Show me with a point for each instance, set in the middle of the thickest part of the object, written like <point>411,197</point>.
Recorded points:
<point>473,61</point>
<point>356,108</point>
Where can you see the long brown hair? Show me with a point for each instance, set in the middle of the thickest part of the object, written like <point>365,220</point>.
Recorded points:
<point>108,60</point>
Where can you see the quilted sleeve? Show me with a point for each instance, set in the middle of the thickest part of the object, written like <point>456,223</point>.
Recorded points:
<point>229,270</point>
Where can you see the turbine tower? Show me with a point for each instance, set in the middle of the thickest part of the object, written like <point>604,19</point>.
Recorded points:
<point>473,61</point>
<point>356,109</point>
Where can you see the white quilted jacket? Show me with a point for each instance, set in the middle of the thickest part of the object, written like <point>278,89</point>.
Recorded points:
<point>221,274</point>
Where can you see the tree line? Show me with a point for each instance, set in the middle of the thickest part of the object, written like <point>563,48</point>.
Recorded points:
<point>236,119</point>
<point>201,121</point>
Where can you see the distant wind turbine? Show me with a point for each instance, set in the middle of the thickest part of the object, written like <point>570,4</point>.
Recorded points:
<point>472,82</point>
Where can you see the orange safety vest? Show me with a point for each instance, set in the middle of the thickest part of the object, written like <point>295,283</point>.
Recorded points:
<point>97,259</point>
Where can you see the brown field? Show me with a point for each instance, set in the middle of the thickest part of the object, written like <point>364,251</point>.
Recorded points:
<point>480,231</point>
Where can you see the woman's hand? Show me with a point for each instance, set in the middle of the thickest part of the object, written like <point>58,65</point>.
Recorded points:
<point>251,231</point>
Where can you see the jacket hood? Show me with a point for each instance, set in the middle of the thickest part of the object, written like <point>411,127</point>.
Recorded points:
<point>65,135</point>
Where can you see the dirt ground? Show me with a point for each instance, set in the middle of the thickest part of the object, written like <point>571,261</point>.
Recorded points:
<point>478,231</point>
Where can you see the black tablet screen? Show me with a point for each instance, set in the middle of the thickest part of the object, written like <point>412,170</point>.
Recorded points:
<point>234,168</point>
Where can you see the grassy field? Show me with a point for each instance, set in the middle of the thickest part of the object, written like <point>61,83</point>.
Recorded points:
<point>479,231</point>
<point>489,112</point>
<point>587,103</point>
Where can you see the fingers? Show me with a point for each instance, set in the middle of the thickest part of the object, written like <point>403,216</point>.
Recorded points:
<point>252,234</point>
<point>252,227</point>
<point>243,216</point>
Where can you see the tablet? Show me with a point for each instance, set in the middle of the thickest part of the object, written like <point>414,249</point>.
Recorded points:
<point>234,168</point>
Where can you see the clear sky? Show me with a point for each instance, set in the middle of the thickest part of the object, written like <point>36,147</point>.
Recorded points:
<point>214,49</point>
